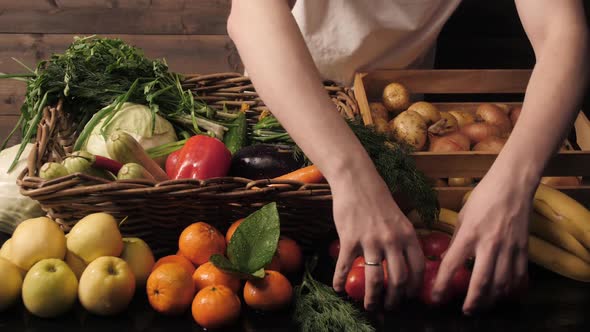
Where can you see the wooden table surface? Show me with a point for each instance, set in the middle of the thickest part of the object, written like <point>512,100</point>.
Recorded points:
<point>553,303</point>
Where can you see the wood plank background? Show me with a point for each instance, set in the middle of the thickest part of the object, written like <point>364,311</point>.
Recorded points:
<point>192,36</point>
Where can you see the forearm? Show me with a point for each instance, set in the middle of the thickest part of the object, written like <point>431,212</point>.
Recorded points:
<point>283,72</point>
<point>552,100</point>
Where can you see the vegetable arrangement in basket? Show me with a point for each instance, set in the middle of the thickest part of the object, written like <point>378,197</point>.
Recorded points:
<point>136,120</point>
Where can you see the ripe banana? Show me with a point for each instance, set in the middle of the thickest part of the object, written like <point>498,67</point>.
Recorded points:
<point>540,251</point>
<point>558,260</point>
<point>557,235</point>
<point>564,210</point>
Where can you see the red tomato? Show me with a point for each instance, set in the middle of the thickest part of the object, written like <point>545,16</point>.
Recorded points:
<point>360,262</point>
<point>435,244</point>
<point>430,271</point>
<point>355,282</point>
<point>334,249</point>
<point>460,281</point>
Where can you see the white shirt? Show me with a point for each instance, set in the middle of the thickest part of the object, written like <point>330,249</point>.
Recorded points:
<point>345,36</point>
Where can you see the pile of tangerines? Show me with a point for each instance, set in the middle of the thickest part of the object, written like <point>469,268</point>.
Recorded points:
<point>188,279</point>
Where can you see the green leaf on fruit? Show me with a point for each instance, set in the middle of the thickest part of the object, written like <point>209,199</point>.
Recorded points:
<point>254,242</point>
<point>222,263</point>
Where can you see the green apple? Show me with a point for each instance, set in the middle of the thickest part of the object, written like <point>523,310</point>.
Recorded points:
<point>5,249</point>
<point>94,236</point>
<point>50,288</point>
<point>36,239</point>
<point>140,258</point>
<point>75,263</point>
<point>107,286</point>
<point>12,282</point>
<point>5,253</point>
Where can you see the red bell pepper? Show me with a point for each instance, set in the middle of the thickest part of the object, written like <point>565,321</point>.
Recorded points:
<point>202,157</point>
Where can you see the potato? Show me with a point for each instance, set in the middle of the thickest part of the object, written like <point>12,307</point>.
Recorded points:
<point>396,97</point>
<point>460,182</point>
<point>378,111</point>
<point>427,111</point>
<point>409,127</point>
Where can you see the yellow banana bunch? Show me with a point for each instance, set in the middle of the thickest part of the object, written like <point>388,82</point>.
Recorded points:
<point>565,259</point>
<point>565,211</point>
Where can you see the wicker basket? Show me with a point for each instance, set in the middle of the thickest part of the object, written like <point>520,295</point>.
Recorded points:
<point>158,212</point>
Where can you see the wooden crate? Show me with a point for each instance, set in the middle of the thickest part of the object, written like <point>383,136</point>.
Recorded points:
<point>368,87</point>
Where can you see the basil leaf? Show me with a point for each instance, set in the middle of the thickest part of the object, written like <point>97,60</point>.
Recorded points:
<point>254,242</point>
<point>224,264</point>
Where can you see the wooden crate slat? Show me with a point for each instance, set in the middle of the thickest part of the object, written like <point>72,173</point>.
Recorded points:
<point>452,197</point>
<point>129,17</point>
<point>476,164</point>
<point>448,81</point>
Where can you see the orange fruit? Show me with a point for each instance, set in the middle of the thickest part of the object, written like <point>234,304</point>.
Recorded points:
<point>199,241</point>
<point>215,306</point>
<point>232,229</point>
<point>273,292</point>
<point>170,289</point>
<point>209,275</point>
<point>275,264</point>
<point>186,264</point>
<point>290,256</point>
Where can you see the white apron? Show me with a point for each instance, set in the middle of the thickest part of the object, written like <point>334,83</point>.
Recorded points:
<point>345,36</point>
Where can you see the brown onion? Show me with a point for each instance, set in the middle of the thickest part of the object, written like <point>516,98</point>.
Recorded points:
<point>514,114</point>
<point>561,181</point>
<point>491,144</point>
<point>446,124</point>
<point>460,182</point>
<point>452,142</point>
<point>479,131</point>
<point>463,117</point>
<point>494,115</point>
<point>504,107</point>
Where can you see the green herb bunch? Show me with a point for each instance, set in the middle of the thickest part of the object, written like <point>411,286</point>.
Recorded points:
<point>319,309</point>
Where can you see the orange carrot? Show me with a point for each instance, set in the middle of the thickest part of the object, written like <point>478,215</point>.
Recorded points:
<point>309,174</point>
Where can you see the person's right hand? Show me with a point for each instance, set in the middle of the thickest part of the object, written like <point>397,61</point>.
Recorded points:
<point>370,223</point>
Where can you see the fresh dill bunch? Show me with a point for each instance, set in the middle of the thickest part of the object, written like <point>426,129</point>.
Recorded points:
<point>319,309</point>
<point>396,166</point>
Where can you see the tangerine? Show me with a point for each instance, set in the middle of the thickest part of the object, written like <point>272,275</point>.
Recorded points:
<point>273,292</point>
<point>186,264</point>
<point>170,289</point>
<point>290,256</point>
<point>215,306</point>
<point>232,229</point>
<point>209,275</point>
<point>199,241</point>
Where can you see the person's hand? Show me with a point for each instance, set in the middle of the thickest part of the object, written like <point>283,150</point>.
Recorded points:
<point>370,223</point>
<point>493,226</point>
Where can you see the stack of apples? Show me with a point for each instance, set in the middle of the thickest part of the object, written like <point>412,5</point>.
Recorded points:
<point>92,263</point>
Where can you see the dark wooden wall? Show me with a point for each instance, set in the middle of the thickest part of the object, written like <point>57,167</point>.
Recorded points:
<point>192,36</point>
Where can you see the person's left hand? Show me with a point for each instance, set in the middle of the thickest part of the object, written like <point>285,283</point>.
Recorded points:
<point>493,226</point>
